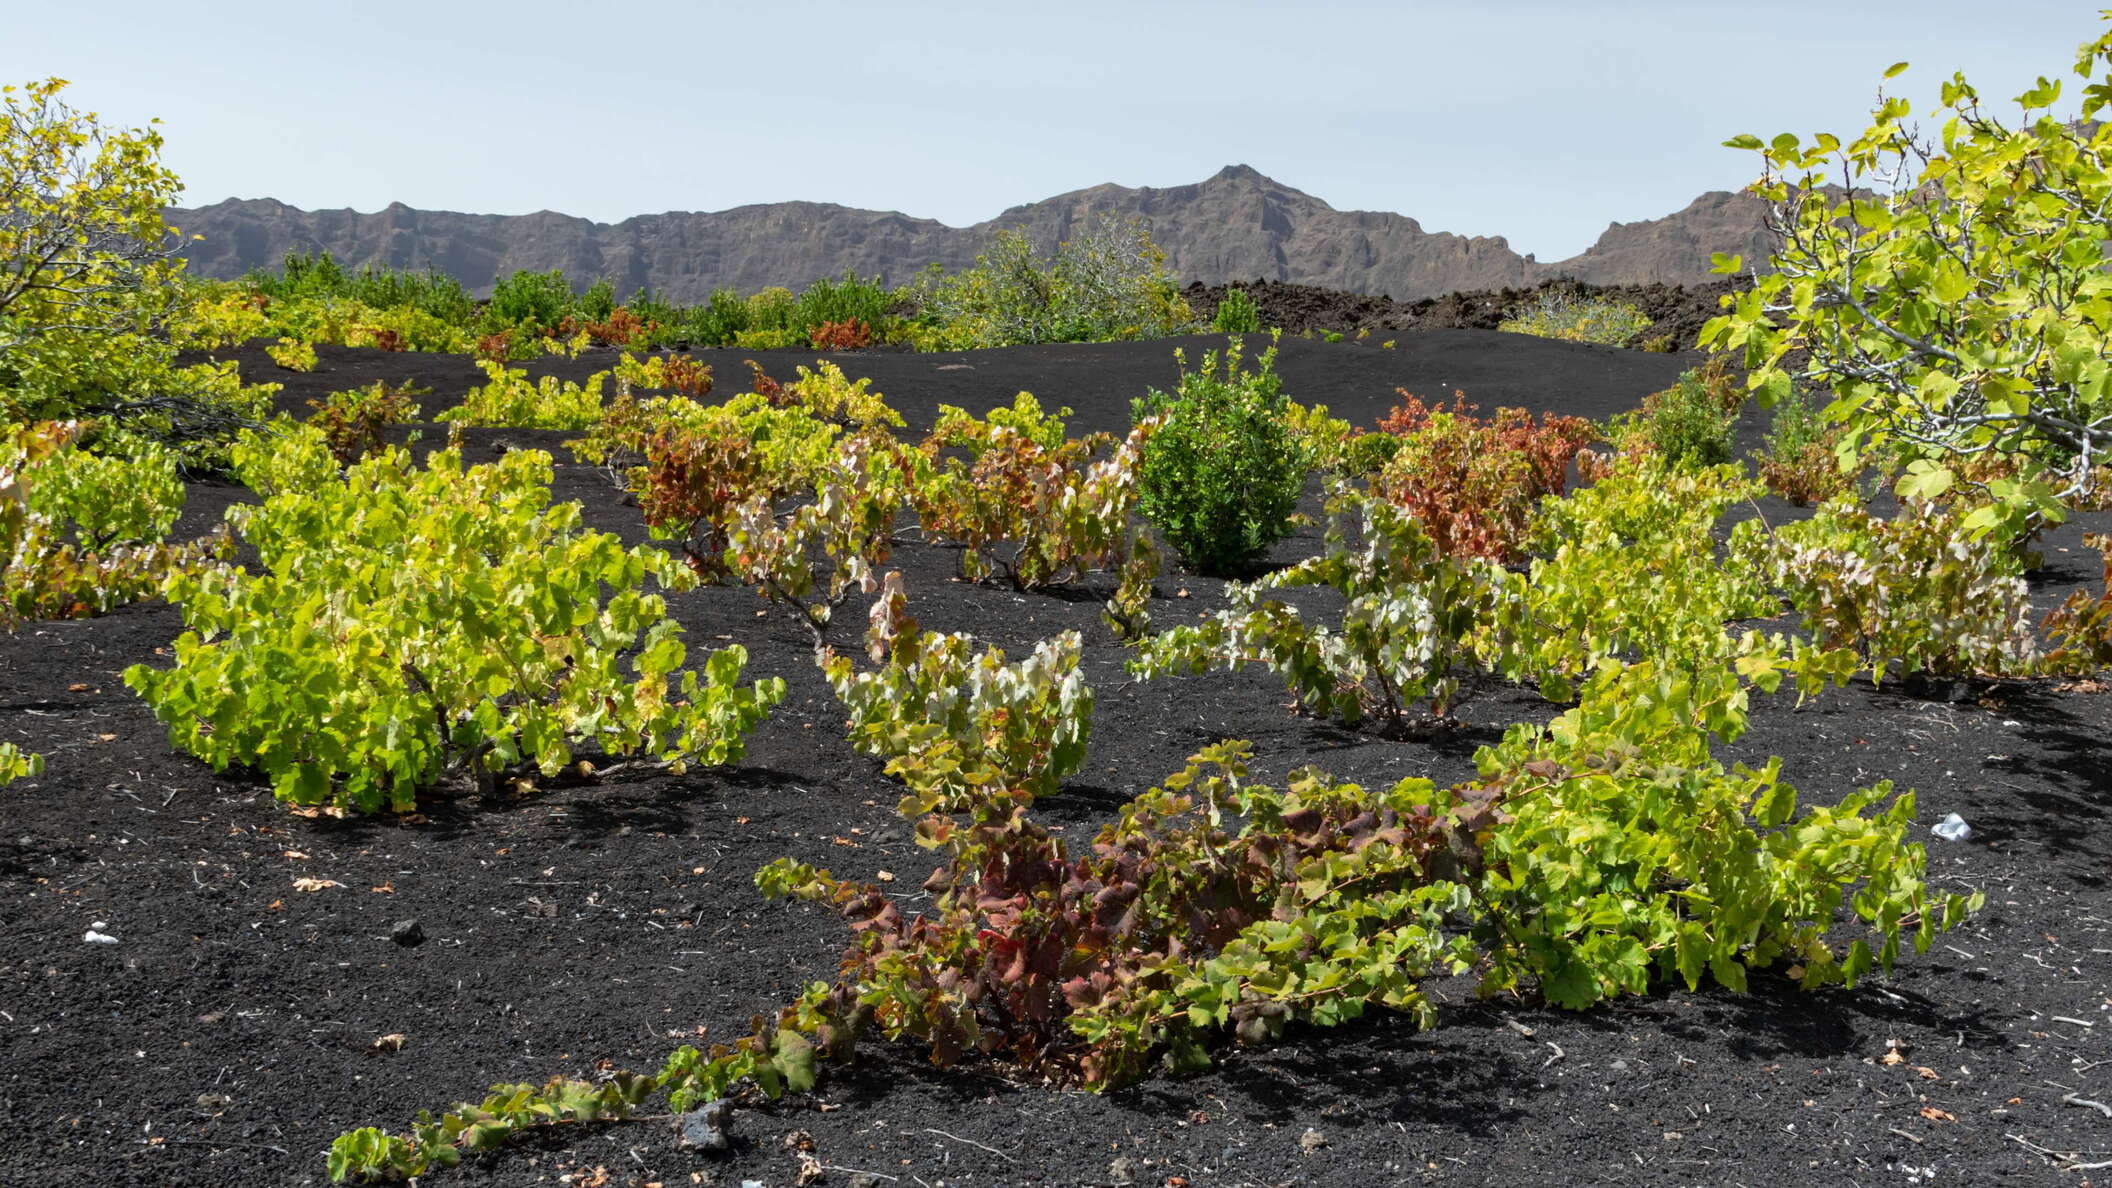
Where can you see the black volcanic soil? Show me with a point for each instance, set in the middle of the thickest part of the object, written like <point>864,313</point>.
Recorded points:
<point>231,1031</point>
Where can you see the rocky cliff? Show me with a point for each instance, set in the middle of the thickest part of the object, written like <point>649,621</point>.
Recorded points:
<point>1238,225</point>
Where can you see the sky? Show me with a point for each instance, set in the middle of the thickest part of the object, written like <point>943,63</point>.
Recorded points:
<point>1538,122</point>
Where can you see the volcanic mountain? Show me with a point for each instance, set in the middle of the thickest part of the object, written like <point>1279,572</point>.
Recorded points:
<point>1238,225</point>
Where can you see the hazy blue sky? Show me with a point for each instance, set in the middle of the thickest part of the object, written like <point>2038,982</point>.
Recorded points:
<point>1537,121</point>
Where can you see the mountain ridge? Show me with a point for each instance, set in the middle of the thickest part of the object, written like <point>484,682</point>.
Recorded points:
<point>1236,225</point>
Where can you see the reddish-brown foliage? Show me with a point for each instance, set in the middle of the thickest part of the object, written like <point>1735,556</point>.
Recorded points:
<point>849,335</point>
<point>623,329</point>
<point>1472,483</point>
<point>689,377</point>
<point>769,389</point>
<point>496,347</point>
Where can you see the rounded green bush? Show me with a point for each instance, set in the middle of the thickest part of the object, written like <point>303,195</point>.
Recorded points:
<point>1222,473</point>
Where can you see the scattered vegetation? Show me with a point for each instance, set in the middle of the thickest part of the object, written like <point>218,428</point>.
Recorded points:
<point>1108,284</point>
<point>408,629</point>
<point>1575,318</point>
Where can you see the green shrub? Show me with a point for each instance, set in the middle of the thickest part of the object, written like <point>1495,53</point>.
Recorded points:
<point>1800,462</point>
<point>431,292</point>
<point>716,322</point>
<point>1109,284</point>
<point>1687,424</point>
<point>1576,318</point>
<point>539,300</point>
<point>1236,314</point>
<point>1222,474</point>
<point>845,300</point>
<point>598,302</point>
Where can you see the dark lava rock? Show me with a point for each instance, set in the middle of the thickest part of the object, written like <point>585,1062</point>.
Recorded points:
<point>408,933</point>
<point>706,1127</point>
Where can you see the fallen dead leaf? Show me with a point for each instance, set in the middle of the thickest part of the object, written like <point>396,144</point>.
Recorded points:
<point>1935,1115</point>
<point>885,876</point>
<point>107,737</point>
<point>392,1042</point>
<point>296,854</point>
<point>77,687</point>
<point>384,889</point>
<point>308,884</point>
<point>274,905</point>
<point>1927,1073</point>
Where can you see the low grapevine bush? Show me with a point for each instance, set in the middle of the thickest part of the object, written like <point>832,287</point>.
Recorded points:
<point>1604,855</point>
<point>1801,462</point>
<point>413,626</point>
<point>829,395</point>
<point>83,533</point>
<point>129,497</point>
<point>1473,484</point>
<point>809,560</point>
<point>1026,485</point>
<point>1629,857</point>
<point>1916,593</point>
<point>1407,631</point>
<point>1221,475</point>
<point>510,400</point>
<point>618,328</point>
<point>352,422</point>
<point>2081,628</point>
<point>949,718</point>
<point>1630,567</point>
<point>851,335</point>
<point>292,354</point>
<point>714,477</point>
<point>17,764</point>
<point>218,315</point>
<point>1332,444</point>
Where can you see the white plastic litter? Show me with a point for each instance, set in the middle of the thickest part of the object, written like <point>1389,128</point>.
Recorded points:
<point>92,937</point>
<point>1952,828</point>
